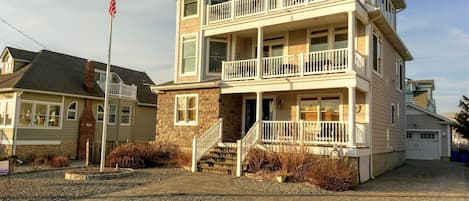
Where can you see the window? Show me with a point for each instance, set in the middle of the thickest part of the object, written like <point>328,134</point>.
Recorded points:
<point>409,135</point>
<point>427,136</point>
<point>399,73</point>
<point>40,115</point>
<point>318,41</point>
<point>125,115</point>
<point>72,111</point>
<point>377,54</point>
<point>8,64</point>
<point>186,109</point>
<point>393,114</point>
<point>340,38</point>
<point>112,113</point>
<point>217,54</point>
<point>6,113</point>
<point>188,54</point>
<point>190,8</point>
<point>100,113</point>
<point>320,109</point>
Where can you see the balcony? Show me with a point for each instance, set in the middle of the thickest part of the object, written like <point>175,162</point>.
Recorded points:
<point>243,8</point>
<point>121,90</point>
<point>307,64</point>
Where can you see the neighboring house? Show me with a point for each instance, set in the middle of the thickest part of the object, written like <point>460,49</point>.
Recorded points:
<point>321,74</point>
<point>51,103</point>
<point>458,142</point>
<point>428,134</point>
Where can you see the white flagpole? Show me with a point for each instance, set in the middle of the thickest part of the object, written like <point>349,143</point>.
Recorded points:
<point>106,100</point>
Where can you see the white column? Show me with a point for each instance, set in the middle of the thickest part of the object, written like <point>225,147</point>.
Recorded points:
<point>351,39</point>
<point>369,49</point>
<point>259,106</point>
<point>260,51</point>
<point>368,118</point>
<point>234,42</point>
<point>351,116</point>
<point>201,55</point>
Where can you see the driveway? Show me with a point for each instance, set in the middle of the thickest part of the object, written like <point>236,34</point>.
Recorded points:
<point>417,180</point>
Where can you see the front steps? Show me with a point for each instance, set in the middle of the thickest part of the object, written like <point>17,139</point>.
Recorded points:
<point>219,160</point>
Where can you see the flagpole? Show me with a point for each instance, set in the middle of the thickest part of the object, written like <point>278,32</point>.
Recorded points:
<point>106,100</point>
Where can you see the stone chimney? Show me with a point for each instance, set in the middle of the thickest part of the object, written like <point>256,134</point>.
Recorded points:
<point>89,76</point>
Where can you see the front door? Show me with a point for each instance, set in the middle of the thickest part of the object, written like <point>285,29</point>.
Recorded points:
<point>250,113</point>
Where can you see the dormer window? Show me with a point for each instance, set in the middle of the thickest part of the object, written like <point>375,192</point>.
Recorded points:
<point>100,76</point>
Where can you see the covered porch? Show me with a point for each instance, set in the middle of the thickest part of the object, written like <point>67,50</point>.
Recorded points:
<point>305,117</point>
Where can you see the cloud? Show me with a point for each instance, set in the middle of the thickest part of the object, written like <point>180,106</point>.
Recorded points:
<point>459,34</point>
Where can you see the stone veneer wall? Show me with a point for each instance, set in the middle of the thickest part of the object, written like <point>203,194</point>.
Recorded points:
<point>208,114</point>
<point>66,148</point>
<point>230,111</point>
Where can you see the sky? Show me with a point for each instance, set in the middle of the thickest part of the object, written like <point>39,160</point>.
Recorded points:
<point>436,32</point>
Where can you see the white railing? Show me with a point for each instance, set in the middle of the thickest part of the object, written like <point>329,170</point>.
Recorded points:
<point>242,8</point>
<point>245,145</point>
<point>208,140</point>
<point>360,66</point>
<point>305,132</point>
<point>281,66</point>
<point>239,70</point>
<point>219,12</point>
<point>121,90</point>
<point>320,62</point>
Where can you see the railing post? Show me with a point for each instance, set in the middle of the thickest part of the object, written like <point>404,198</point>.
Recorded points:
<point>239,166</point>
<point>266,2</point>
<point>302,64</point>
<point>222,70</point>
<point>351,118</point>
<point>232,9</point>
<point>301,132</point>
<point>194,154</point>
<point>220,130</point>
<point>260,48</point>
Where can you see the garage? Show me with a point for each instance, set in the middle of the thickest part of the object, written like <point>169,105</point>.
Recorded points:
<point>422,145</point>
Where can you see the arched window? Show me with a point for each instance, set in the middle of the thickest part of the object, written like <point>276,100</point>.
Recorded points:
<point>72,111</point>
<point>100,113</point>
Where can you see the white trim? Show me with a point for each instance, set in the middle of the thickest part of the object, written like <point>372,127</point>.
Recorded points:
<point>399,80</point>
<point>76,110</point>
<point>187,123</point>
<point>319,96</point>
<point>130,115</point>
<point>380,70</point>
<point>428,130</point>
<point>195,85</point>
<point>428,112</point>
<point>55,93</point>
<point>181,49</point>
<point>116,114</point>
<point>190,16</point>
<point>177,42</point>
<point>33,142</point>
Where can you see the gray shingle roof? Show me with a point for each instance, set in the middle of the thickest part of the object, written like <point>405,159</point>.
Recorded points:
<point>57,72</point>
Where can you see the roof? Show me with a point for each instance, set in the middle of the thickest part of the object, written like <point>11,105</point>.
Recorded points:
<point>68,73</point>
<point>442,118</point>
<point>21,54</point>
<point>171,85</point>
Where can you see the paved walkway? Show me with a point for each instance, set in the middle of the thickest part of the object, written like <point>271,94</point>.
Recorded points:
<point>418,180</point>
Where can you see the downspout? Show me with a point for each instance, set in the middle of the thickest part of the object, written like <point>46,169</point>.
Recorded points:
<point>370,23</point>
<point>15,121</point>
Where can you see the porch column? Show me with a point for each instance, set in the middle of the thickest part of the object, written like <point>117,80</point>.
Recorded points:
<point>202,53</point>
<point>369,49</point>
<point>234,42</point>
<point>351,39</point>
<point>260,51</point>
<point>259,106</point>
<point>351,116</point>
<point>368,119</point>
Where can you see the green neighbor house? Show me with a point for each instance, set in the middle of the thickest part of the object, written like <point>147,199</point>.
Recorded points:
<point>52,103</point>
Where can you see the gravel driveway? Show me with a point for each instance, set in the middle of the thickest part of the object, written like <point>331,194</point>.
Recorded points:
<point>418,180</point>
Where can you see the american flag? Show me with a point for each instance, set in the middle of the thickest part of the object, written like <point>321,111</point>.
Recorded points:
<point>112,8</point>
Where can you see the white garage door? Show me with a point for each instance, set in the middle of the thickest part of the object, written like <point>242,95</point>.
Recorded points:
<point>422,145</point>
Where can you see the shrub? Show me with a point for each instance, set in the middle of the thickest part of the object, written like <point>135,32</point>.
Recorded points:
<point>133,156</point>
<point>136,156</point>
<point>59,161</point>
<point>299,166</point>
<point>333,174</point>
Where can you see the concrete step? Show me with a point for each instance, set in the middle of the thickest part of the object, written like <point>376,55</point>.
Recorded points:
<point>217,170</point>
<point>223,154</point>
<point>217,164</point>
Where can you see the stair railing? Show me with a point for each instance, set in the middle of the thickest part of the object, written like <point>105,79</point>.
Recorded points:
<point>246,144</point>
<point>208,140</point>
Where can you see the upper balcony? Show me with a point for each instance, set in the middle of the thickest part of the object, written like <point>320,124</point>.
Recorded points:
<point>121,90</point>
<point>240,10</point>
<point>300,65</point>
